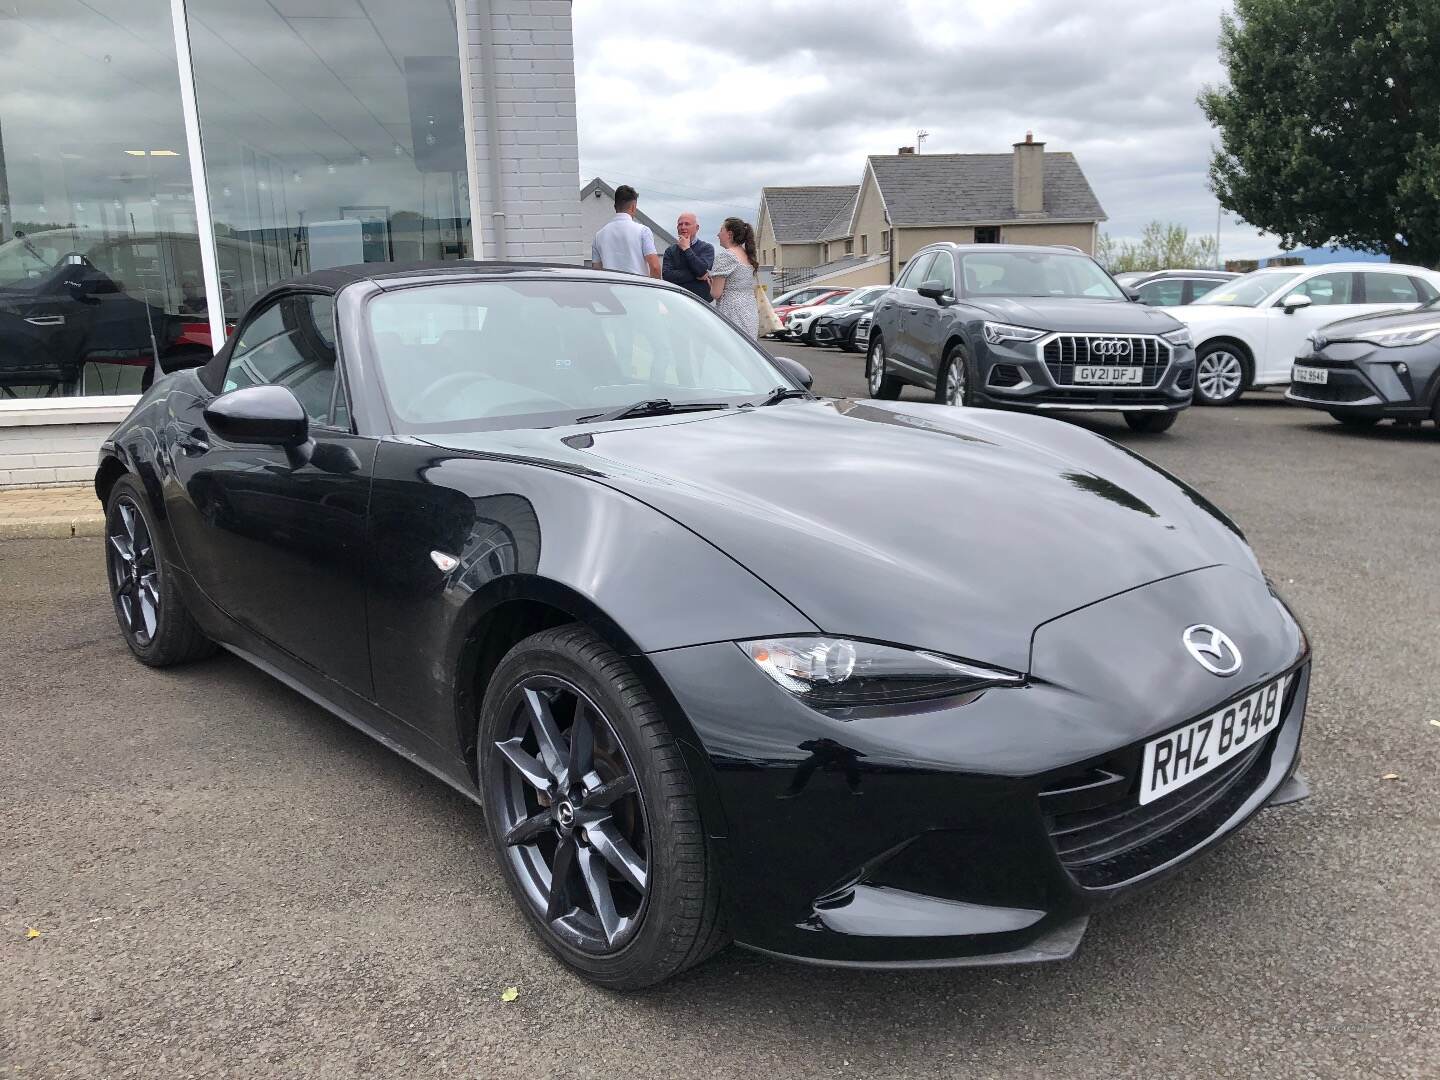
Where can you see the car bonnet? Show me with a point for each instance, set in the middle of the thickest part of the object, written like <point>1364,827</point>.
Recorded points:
<point>954,530</point>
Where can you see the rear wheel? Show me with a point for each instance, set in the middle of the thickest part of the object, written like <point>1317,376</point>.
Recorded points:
<point>1221,372</point>
<point>880,384</point>
<point>593,815</point>
<point>1151,422</point>
<point>148,605</point>
<point>1354,420</point>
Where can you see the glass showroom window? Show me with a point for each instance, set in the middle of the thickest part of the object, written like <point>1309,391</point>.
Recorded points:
<point>333,134</point>
<point>99,257</point>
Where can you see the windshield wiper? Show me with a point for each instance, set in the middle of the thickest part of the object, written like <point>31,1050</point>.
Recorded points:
<point>650,407</point>
<point>781,393</point>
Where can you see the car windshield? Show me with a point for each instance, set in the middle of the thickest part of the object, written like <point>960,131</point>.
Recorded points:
<point>1248,291</point>
<point>1041,273</point>
<point>27,257</point>
<point>528,353</point>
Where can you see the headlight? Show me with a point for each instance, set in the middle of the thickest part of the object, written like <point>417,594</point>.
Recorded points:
<point>997,332</point>
<point>1401,335</point>
<point>1180,337</point>
<point>835,672</point>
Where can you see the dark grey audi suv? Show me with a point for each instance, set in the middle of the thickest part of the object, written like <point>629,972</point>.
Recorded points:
<point>1041,328</point>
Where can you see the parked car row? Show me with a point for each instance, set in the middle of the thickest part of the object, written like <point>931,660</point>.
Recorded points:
<point>1048,329</point>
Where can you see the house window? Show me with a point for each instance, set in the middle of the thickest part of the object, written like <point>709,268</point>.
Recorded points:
<point>864,243</point>
<point>885,240</point>
<point>987,234</point>
<point>849,245</point>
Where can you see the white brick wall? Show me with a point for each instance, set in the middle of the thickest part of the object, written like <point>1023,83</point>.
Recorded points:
<point>50,453</point>
<point>534,113</point>
<point>55,440</point>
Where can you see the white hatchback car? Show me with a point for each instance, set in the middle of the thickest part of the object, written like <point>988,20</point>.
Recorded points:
<point>1248,331</point>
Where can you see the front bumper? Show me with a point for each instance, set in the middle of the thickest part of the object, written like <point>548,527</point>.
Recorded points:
<point>933,837</point>
<point>1368,380</point>
<point>1018,375</point>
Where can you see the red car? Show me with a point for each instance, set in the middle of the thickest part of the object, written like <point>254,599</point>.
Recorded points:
<point>803,298</point>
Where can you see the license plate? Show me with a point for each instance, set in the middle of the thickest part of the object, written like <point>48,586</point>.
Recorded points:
<point>1188,753</point>
<point>1309,374</point>
<point>1112,375</point>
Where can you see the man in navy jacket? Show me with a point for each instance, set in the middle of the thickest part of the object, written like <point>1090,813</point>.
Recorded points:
<point>688,261</point>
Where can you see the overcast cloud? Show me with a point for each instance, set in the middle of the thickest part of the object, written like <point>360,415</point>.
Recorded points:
<point>700,105</point>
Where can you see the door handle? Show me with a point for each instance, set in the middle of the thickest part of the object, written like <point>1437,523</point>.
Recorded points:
<point>193,441</point>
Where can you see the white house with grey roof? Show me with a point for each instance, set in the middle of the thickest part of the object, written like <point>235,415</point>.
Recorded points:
<point>863,234</point>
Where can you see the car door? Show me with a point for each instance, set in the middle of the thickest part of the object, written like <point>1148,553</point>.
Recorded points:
<point>1333,296</point>
<point>927,324</point>
<point>281,548</point>
<point>900,347</point>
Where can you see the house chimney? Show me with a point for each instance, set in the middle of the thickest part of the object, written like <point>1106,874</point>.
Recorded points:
<point>906,150</point>
<point>1029,175</point>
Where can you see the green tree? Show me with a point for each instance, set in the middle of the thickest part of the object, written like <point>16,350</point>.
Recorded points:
<point>1162,246</point>
<point>1330,123</point>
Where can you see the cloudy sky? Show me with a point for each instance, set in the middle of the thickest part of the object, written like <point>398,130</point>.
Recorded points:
<point>699,105</point>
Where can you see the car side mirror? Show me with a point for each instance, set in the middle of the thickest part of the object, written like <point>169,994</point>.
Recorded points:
<point>794,369</point>
<point>934,290</point>
<point>1294,302</point>
<point>1133,295</point>
<point>264,416</point>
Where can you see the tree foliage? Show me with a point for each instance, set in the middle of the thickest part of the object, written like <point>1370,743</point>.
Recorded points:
<point>1330,123</point>
<point>1162,246</point>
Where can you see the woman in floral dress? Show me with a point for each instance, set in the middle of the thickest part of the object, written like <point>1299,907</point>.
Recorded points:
<point>732,278</point>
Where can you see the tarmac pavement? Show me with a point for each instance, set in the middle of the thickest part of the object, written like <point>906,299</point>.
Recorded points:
<point>229,882</point>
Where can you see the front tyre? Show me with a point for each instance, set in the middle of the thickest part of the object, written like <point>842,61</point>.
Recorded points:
<point>879,383</point>
<point>954,386</point>
<point>593,815</point>
<point>1221,372</point>
<point>1151,423</point>
<point>152,614</point>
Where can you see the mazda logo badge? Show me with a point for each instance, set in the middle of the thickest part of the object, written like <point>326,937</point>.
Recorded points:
<point>1110,348</point>
<point>1212,649</point>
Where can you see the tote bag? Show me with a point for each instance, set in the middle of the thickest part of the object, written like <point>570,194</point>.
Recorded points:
<point>769,322</point>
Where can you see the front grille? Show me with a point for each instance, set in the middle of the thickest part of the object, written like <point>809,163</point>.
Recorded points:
<point>1102,398</point>
<point>1342,386</point>
<point>1064,352</point>
<point>1103,835</point>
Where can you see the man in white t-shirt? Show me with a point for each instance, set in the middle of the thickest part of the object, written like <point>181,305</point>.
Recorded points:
<point>624,244</point>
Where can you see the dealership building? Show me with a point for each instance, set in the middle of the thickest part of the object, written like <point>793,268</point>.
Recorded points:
<point>163,162</point>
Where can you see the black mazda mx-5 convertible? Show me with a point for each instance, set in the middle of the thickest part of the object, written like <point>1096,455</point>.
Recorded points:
<point>851,682</point>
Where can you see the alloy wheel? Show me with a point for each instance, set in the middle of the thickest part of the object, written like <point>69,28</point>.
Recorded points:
<point>570,812</point>
<point>875,369</point>
<point>1219,374</point>
<point>955,381</point>
<point>134,571</point>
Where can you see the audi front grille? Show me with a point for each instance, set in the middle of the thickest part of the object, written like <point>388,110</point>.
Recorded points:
<point>1063,353</point>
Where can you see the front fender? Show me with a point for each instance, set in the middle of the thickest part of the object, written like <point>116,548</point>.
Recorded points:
<point>523,530</point>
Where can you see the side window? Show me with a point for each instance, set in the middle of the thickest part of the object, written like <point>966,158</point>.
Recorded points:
<point>943,271</point>
<point>1327,289</point>
<point>916,270</point>
<point>1198,287</point>
<point>1167,292</point>
<point>1389,289</point>
<point>291,343</point>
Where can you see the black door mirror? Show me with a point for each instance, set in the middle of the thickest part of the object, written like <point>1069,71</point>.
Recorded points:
<point>263,415</point>
<point>934,289</point>
<point>81,289</point>
<point>796,370</point>
<point>1132,295</point>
